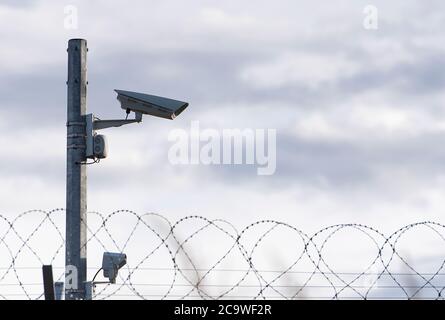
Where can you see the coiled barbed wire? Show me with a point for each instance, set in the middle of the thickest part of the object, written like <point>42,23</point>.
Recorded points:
<point>195,257</point>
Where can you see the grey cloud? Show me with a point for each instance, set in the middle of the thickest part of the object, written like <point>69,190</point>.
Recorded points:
<point>208,77</point>
<point>340,166</point>
<point>41,95</point>
<point>21,3</point>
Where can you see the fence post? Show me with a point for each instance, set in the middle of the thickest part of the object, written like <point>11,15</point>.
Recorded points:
<point>48,282</point>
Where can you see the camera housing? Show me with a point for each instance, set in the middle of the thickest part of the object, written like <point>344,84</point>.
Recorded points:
<point>111,263</point>
<point>152,105</point>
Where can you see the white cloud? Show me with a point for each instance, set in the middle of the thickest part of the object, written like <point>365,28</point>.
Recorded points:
<point>302,69</point>
<point>221,20</point>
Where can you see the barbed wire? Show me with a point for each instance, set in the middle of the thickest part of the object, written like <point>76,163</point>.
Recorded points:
<point>195,257</point>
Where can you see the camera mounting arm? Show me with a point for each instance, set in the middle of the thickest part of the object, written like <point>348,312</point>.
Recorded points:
<point>103,124</point>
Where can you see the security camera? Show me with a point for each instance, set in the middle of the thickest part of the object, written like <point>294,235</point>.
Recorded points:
<point>111,263</point>
<point>139,103</point>
<point>151,105</point>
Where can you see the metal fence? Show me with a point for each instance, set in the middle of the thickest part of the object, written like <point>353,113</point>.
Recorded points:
<point>198,258</point>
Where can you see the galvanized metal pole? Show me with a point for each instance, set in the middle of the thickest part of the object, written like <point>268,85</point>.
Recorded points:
<point>76,177</point>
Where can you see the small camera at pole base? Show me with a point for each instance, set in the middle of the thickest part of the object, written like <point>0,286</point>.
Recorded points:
<point>111,263</point>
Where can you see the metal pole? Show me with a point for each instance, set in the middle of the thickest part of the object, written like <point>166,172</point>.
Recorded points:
<point>76,178</point>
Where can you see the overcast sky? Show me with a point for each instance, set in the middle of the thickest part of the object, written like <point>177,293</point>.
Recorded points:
<point>359,114</point>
